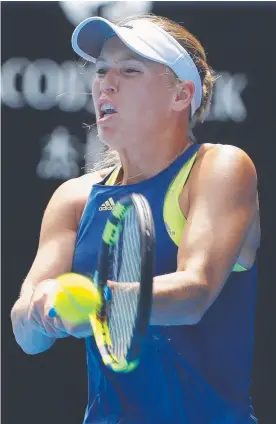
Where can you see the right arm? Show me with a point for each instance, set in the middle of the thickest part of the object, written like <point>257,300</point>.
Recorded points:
<point>33,330</point>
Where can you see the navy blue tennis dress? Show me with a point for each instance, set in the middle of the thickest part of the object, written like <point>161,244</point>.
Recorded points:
<point>197,374</point>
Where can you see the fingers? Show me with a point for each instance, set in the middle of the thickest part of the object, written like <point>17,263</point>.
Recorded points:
<point>123,287</point>
<point>42,312</point>
<point>53,287</point>
<point>42,302</point>
<point>79,330</point>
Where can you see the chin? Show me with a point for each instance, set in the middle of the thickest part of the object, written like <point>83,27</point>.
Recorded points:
<point>111,138</point>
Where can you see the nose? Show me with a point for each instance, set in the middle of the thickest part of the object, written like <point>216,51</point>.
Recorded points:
<point>110,82</point>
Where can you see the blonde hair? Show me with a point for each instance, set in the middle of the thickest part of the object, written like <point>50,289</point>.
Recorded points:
<point>195,49</point>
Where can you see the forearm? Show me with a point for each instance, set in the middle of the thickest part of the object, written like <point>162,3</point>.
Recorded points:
<point>177,299</point>
<point>30,337</point>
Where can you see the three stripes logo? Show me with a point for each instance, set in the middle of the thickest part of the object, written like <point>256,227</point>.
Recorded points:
<point>108,205</point>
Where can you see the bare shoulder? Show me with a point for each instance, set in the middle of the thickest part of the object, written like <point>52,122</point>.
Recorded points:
<point>224,152</point>
<point>86,181</point>
<point>224,161</point>
<point>222,169</point>
<point>228,172</point>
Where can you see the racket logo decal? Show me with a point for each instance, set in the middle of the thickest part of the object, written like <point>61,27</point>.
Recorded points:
<point>111,233</point>
<point>119,211</point>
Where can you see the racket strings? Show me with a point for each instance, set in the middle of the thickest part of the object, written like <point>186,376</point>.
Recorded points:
<point>126,267</point>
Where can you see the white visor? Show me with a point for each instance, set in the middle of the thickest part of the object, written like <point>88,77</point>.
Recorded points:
<point>144,38</point>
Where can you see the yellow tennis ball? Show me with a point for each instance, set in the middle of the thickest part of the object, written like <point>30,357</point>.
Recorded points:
<point>77,298</point>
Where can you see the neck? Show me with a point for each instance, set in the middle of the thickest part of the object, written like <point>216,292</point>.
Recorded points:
<point>144,160</point>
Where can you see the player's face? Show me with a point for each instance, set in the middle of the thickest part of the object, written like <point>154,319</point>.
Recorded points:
<point>132,95</point>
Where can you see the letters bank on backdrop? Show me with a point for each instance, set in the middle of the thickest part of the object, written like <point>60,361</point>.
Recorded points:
<point>33,82</point>
<point>48,136</point>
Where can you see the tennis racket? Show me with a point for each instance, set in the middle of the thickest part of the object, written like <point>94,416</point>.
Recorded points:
<point>126,256</point>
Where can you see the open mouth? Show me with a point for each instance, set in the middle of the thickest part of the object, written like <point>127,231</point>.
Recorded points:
<point>106,109</point>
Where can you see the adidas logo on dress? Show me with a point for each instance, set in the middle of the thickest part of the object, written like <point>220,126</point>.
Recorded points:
<point>108,205</point>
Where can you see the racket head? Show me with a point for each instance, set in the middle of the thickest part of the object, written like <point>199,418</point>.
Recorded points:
<point>127,254</point>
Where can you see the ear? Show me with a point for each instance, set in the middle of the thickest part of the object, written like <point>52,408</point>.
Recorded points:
<point>183,95</point>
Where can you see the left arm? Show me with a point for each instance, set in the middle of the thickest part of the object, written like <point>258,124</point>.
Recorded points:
<point>223,203</point>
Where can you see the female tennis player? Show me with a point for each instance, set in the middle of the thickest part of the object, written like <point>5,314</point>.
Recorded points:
<point>152,84</point>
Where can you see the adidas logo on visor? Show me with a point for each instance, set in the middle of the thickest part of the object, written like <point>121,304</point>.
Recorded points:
<point>108,205</point>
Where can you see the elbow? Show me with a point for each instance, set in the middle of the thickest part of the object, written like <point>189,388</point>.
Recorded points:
<point>193,318</point>
<point>198,305</point>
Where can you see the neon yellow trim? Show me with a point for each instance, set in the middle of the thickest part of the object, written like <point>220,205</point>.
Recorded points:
<point>113,177</point>
<point>239,268</point>
<point>172,214</point>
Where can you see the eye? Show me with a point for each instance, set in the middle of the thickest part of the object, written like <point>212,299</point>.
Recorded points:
<point>130,71</point>
<point>101,71</point>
